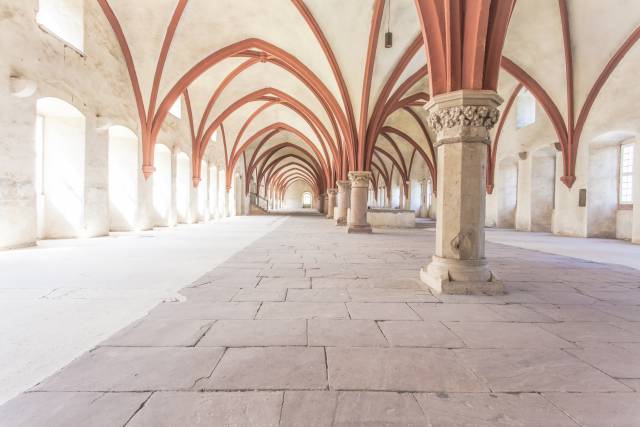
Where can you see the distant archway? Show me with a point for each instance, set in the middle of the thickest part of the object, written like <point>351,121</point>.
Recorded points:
<point>123,178</point>
<point>60,169</point>
<point>307,200</point>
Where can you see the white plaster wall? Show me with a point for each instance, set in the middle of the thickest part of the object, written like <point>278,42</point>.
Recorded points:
<point>97,84</point>
<point>602,196</point>
<point>624,224</point>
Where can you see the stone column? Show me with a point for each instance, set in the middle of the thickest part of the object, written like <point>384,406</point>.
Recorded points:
<point>343,199</point>
<point>407,196</point>
<point>331,201</point>
<point>461,120</point>
<point>359,195</point>
<point>401,199</point>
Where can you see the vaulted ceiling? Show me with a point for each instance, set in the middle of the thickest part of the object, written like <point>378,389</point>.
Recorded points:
<point>291,86</point>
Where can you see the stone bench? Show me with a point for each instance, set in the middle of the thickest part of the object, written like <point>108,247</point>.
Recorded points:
<point>391,218</point>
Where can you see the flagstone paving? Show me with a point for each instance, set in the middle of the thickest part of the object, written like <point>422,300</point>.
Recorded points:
<point>309,326</point>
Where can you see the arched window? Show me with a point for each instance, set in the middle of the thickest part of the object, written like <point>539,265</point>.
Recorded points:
<point>525,109</point>
<point>626,174</point>
<point>64,19</point>
<point>60,169</point>
<point>307,199</point>
<point>123,178</point>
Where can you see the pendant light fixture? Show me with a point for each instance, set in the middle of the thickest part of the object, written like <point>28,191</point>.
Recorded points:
<point>388,36</point>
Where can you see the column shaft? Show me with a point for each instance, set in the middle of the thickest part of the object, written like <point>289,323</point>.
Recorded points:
<point>343,200</point>
<point>359,198</point>
<point>462,121</point>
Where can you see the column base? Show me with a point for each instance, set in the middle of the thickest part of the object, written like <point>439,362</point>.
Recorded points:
<point>361,228</point>
<point>341,222</point>
<point>329,216</point>
<point>460,277</point>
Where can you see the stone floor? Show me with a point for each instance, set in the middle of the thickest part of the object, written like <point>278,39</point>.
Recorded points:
<point>309,326</point>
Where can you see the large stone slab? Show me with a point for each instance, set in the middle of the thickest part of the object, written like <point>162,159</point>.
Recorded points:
<point>161,332</point>
<point>256,333</point>
<point>210,409</point>
<point>270,368</point>
<point>528,370</point>
<point>381,311</point>
<point>205,310</point>
<point>378,409</point>
<point>456,312</point>
<point>345,333</point>
<point>63,409</point>
<point>308,408</point>
<point>302,310</point>
<point>419,334</point>
<point>491,410</point>
<point>399,369</point>
<point>600,409</point>
<point>505,335</point>
<point>134,369</point>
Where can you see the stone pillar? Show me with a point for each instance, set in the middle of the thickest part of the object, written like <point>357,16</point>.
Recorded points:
<point>343,200</point>
<point>401,198</point>
<point>407,196</point>
<point>461,120</point>
<point>331,201</point>
<point>226,211</point>
<point>359,195</point>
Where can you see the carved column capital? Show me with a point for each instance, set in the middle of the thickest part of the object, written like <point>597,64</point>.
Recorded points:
<point>360,178</point>
<point>332,191</point>
<point>463,116</point>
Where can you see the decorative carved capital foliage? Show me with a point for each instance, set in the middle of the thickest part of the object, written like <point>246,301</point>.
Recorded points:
<point>464,117</point>
<point>359,178</point>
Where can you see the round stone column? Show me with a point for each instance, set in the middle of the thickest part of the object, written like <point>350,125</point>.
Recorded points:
<point>359,198</point>
<point>331,201</point>
<point>462,121</point>
<point>343,199</point>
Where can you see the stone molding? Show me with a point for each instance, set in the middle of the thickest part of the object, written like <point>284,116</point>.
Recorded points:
<point>343,185</point>
<point>465,116</point>
<point>360,178</point>
<point>332,191</point>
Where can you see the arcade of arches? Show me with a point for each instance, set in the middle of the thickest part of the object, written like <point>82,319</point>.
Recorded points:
<point>431,120</point>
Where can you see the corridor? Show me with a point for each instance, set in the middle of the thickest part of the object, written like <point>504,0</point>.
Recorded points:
<point>306,327</point>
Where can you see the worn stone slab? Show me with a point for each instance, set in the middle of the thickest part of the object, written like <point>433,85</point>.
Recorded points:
<point>62,409</point>
<point>210,409</point>
<point>284,283</point>
<point>399,369</point>
<point>572,313</point>
<point>456,312</point>
<point>505,335</point>
<point>490,410</point>
<point>317,295</point>
<point>390,295</point>
<point>378,408</point>
<point>208,293</point>
<point>302,310</point>
<point>620,360</point>
<point>288,273</point>
<point>255,333</point>
<point>270,368</point>
<point>519,313</point>
<point>381,311</point>
<point>419,334</point>
<point>308,408</point>
<point>626,312</point>
<point>600,409</point>
<point>159,332</point>
<point>205,310</point>
<point>134,369</point>
<point>259,294</point>
<point>527,370</point>
<point>345,333</point>
<point>591,331</point>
